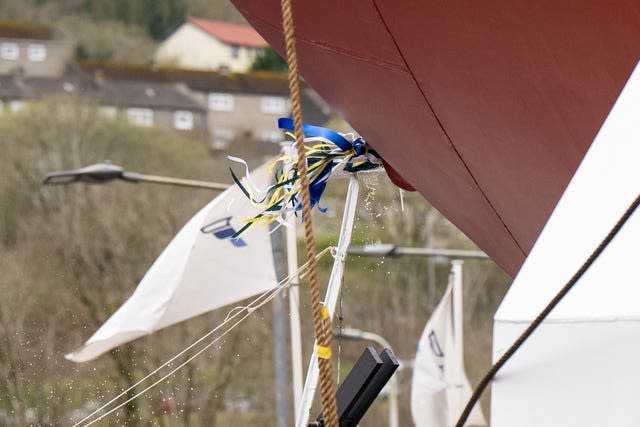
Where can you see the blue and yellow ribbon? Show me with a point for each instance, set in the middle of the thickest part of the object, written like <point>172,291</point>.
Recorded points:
<point>327,151</point>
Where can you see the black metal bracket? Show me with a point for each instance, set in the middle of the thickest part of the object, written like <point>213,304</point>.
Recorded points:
<point>362,386</point>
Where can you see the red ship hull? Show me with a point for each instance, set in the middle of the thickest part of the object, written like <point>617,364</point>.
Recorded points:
<point>486,108</point>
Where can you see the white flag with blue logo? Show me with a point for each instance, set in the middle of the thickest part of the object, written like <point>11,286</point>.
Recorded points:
<point>434,392</point>
<point>202,268</point>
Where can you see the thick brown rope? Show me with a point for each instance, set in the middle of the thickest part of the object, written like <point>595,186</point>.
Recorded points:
<point>538,320</point>
<point>321,326</point>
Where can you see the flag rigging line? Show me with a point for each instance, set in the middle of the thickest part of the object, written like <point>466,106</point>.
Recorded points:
<point>240,311</point>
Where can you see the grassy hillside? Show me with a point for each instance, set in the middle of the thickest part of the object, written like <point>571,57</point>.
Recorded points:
<point>121,30</point>
<point>46,11</point>
<point>69,256</point>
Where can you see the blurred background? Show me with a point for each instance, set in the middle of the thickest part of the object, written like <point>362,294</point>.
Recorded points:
<point>70,256</point>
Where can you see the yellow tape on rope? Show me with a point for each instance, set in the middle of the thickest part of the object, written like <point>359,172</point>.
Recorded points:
<point>323,352</point>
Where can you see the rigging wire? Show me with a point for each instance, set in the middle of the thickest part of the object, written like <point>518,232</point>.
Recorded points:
<point>173,371</point>
<point>545,312</point>
<point>260,301</point>
<point>340,330</point>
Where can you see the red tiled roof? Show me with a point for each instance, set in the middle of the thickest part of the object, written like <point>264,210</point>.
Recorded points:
<point>241,35</point>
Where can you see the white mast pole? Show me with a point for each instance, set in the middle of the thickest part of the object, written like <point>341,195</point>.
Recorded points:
<point>294,303</point>
<point>458,340</point>
<point>294,314</point>
<point>331,297</point>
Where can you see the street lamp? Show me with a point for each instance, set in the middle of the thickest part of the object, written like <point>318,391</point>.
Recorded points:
<point>433,256</point>
<point>360,335</point>
<point>101,173</point>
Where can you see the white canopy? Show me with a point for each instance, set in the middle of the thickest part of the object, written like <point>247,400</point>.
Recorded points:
<point>581,367</point>
<point>201,269</point>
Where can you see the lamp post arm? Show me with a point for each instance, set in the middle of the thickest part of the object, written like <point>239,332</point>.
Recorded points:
<point>448,253</point>
<point>105,172</point>
<point>390,250</point>
<point>358,334</point>
<point>138,177</point>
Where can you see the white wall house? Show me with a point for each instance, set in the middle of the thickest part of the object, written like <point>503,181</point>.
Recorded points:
<point>32,50</point>
<point>231,107</point>
<point>210,45</point>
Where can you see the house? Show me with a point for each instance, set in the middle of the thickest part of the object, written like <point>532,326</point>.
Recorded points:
<point>32,50</point>
<point>225,106</point>
<point>166,105</point>
<point>238,106</point>
<point>17,88</point>
<point>210,45</point>
<point>242,106</point>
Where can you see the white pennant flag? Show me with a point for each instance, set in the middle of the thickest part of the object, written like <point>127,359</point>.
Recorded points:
<point>434,392</point>
<point>202,268</point>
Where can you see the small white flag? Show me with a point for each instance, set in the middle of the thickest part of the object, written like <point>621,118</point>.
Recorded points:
<point>434,392</point>
<point>202,268</point>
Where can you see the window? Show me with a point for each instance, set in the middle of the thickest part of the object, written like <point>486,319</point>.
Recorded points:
<point>235,51</point>
<point>220,102</point>
<point>221,138</point>
<point>271,136</point>
<point>9,51</point>
<point>16,105</point>
<point>36,52</point>
<point>140,116</point>
<point>183,120</point>
<point>273,105</point>
<point>223,133</point>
